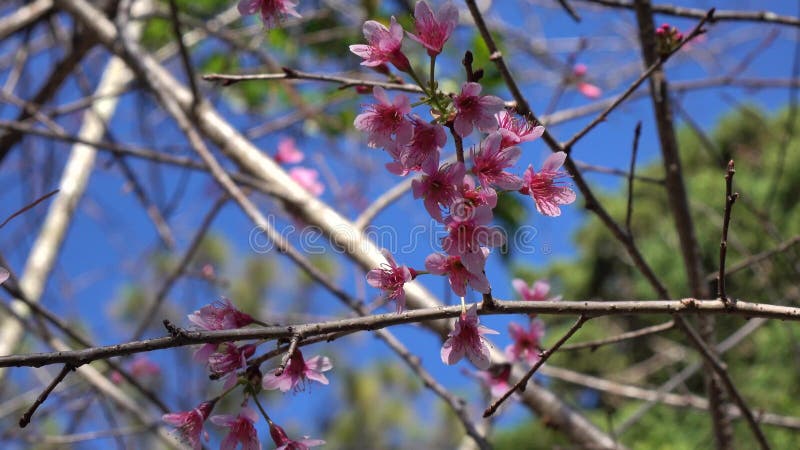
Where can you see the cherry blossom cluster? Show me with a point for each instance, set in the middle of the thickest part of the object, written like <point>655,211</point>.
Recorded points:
<point>228,361</point>
<point>667,38</point>
<point>460,194</point>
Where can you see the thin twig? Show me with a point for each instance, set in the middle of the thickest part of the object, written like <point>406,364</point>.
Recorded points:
<point>29,206</point>
<point>569,10</point>
<point>288,355</point>
<point>636,134</point>
<point>26,417</point>
<point>544,356</point>
<point>646,331</point>
<point>730,198</point>
<point>184,52</point>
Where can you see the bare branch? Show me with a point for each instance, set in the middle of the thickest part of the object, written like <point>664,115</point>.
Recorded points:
<point>291,74</point>
<point>26,418</point>
<point>589,309</point>
<point>730,198</point>
<point>646,331</point>
<point>629,212</point>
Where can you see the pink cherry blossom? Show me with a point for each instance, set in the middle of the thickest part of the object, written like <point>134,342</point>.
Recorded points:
<point>457,274</point>
<point>471,196</point>
<point>4,274</point>
<point>391,278</point>
<point>383,119</point>
<point>535,292</point>
<point>189,424</point>
<point>434,30</point>
<point>422,150</point>
<point>467,339</point>
<point>308,179</point>
<point>241,430</point>
<point>228,359</point>
<point>283,442</point>
<point>439,187</point>
<point>526,344</point>
<point>272,11</point>
<point>467,233</point>
<point>545,189</point>
<point>220,315</point>
<point>383,45</point>
<point>474,110</point>
<point>297,372</point>
<point>490,162</point>
<point>516,131</point>
<point>288,153</point>
<point>496,379</point>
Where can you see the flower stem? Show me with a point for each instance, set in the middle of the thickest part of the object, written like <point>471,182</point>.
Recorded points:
<point>432,79</point>
<point>261,408</point>
<point>428,88</point>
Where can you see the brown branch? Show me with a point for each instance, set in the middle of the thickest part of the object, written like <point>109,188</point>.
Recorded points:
<point>26,417</point>
<point>291,74</point>
<point>288,355</point>
<point>569,10</point>
<point>646,331</point>
<point>544,356</point>
<point>589,309</point>
<point>28,207</point>
<point>184,52</point>
<point>629,212</point>
<point>730,198</point>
